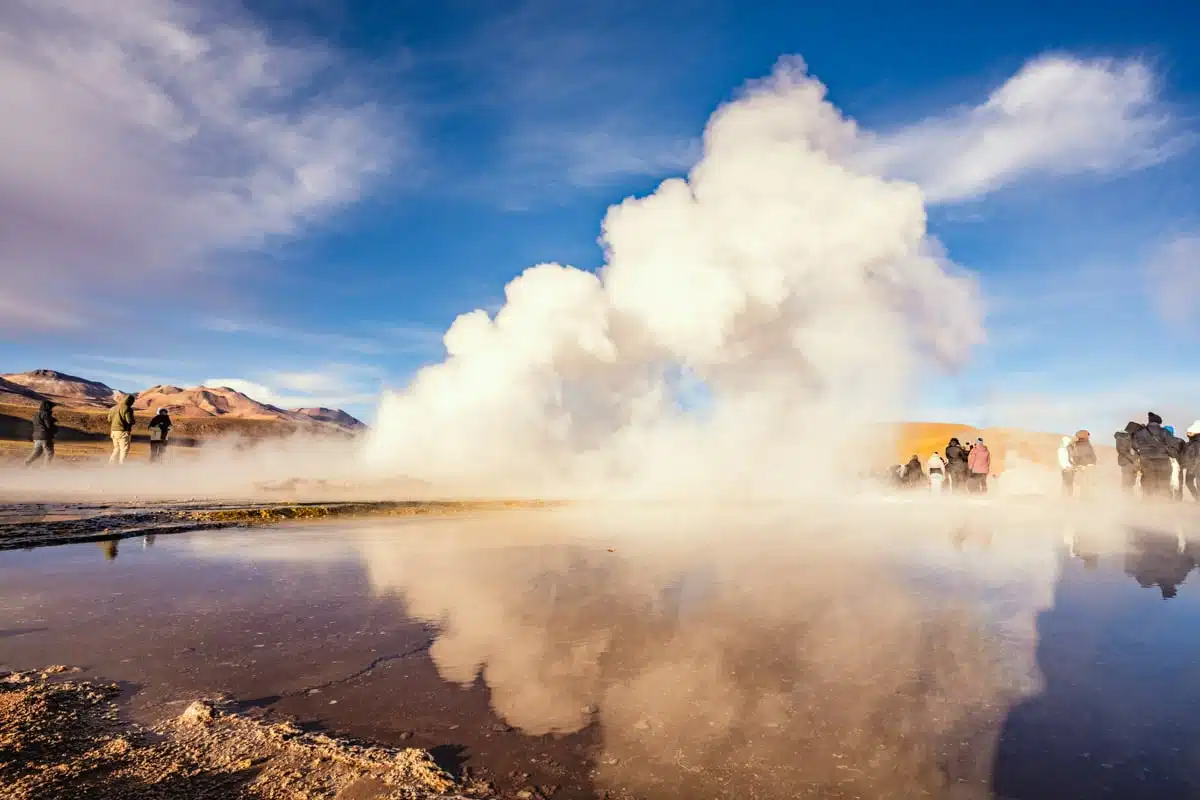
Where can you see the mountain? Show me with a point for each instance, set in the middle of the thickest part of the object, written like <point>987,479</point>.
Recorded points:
<point>333,416</point>
<point>200,403</point>
<point>64,389</point>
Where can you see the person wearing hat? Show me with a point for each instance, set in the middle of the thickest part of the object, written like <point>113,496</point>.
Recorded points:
<point>1083,458</point>
<point>160,427</point>
<point>1154,448</point>
<point>1189,459</point>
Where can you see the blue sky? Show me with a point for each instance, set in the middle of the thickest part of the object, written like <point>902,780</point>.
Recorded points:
<point>395,164</point>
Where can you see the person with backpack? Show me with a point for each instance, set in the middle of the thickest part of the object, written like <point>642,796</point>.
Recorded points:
<point>1189,459</point>
<point>45,428</point>
<point>956,466</point>
<point>979,462</point>
<point>914,475</point>
<point>1083,458</point>
<point>1154,448</point>
<point>160,427</point>
<point>1127,459</point>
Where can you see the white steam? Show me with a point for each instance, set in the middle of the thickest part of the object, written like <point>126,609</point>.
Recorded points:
<point>799,293</point>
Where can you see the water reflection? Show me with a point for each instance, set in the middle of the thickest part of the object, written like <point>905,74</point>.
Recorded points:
<point>1159,559</point>
<point>109,547</point>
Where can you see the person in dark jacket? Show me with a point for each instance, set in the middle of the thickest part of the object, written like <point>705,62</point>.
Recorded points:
<point>160,427</point>
<point>956,465</point>
<point>1154,449</point>
<point>914,474</point>
<point>1126,457</point>
<point>45,428</point>
<point>1189,460</point>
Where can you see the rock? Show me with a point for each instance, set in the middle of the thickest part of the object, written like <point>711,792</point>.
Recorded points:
<point>198,713</point>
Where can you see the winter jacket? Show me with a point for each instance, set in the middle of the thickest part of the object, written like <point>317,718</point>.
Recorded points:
<point>913,472</point>
<point>1126,457</point>
<point>44,426</point>
<point>1189,459</point>
<point>956,458</point>
<point>980,460</point>
<point>120,416</point>
<point>935,462</point>
<point>160,426</point>
<point>1152,443</point>
<point>1082,453</point>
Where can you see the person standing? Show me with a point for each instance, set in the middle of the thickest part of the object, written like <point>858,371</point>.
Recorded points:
<point>1153,447</point>
<point>956,466</point>
<point>937,472</point>
<point>1067,468</point>
<point>160,427</point>
<point>1083,458</point>
<point>120,425</point>
<point>1127,459</point>
<point>979,463</point>
<point>1177,445</point>
<point>1190,461</point>
<point>45,428</point>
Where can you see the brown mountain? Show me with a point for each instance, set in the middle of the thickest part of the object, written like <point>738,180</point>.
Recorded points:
<point>64,389</point>
<point>333,416</point>
<point>199,403</point>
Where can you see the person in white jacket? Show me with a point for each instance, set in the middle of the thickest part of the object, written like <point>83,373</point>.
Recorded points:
<point>936,466</point>
<point>1068,469</point>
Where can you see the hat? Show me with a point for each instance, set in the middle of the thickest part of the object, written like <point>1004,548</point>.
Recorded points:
<point>161,411</point>
<point>1082,435</point>
<point>1194,428</point>
<point>1152,418</point>
<point>980,440</point>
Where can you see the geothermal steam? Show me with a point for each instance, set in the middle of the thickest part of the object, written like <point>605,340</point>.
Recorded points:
<point>748,320</point>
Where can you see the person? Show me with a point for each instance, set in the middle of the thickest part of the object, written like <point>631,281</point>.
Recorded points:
<point>979,462</point>
<point>914,475</point>
<point>1067,468</point>
<point>937,472</point>
<point>956,466</point>
<point>120,425</point>
<point>160,426</point>
<point>1126,457</point>
<point>1190,461</point>
<point>45,428</point>
<point>1176,467</point>
<point>1083,458</point>
<point>1154,447</point>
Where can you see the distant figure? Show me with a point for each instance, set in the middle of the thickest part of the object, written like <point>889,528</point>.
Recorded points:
<point>1176,467</point>
<point>45,428</point>
<point>956,466</point>
<point>120,424</point>
<point>937,472</point>
<point>1068,469</point>
<point>160,427</point>
<point>913,474</point>
<point>1154,447</point>
<point>1127,458</point>
<point>1189,459</point>
<point>979,462</point>
<point>1083,458</point>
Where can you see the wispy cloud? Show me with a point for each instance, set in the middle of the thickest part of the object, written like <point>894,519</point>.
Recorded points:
<point>143,139</point>
<point>394,339</point>
<point>1058,115</point>
<point>1174,279</point>
<point>331,385</point>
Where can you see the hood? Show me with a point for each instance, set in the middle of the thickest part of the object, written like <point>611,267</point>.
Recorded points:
<point>161,412</point>
<point>1132,428</point>
<point>954,443</point>
<point>1153,418</point>
<point>45,407</point>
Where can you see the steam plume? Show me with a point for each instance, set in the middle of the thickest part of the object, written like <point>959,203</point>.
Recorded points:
<point>798,294</point>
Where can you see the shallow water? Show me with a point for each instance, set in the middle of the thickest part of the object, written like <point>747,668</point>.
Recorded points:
<point>650,655</point>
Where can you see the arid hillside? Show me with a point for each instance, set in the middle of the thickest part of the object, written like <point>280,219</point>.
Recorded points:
<point>923,438</point>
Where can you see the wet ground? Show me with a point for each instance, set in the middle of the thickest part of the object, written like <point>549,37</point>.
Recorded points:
<point>648,656</point>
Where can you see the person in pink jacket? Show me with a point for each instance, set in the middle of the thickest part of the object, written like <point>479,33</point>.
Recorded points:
<point>979,462</point>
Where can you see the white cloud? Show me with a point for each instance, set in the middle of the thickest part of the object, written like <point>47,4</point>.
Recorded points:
<point>143,138</point>
<point>1058,115</point>
<point>334,385</point>
<point>255,391</point>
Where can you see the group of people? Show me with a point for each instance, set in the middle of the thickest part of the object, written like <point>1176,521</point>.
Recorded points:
<point>1152,457</point>
<point>120,423</point>
<point>963,468</point>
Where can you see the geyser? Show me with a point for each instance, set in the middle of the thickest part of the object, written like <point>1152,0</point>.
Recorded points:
<point>797,294</point>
